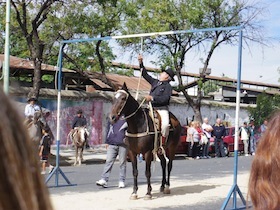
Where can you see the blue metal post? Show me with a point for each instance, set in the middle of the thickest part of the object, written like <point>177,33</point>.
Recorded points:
<point>57,169</point>
<point>235,189</point>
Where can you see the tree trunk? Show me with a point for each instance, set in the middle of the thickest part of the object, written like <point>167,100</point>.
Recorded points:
<point>36,79</point>
<point>197,113</point>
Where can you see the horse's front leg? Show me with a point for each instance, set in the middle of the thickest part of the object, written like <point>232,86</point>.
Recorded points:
<point>163,167</point>
<point>170,165</point>
<point>81,155</point>
<point>76,155</point>
<point>148,159</point>
<point>135,175</point>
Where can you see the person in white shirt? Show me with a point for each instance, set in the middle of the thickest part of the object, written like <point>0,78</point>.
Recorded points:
<point>244,133</point>
<point>31,108</point>
<point>207,129</point>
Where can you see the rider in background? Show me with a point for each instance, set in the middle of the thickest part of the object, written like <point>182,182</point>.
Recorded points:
<point>31,108</point>
<point>79,121</point>
<point>160,95</point>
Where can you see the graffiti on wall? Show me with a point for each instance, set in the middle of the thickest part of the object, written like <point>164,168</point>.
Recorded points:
<point>92,110</point>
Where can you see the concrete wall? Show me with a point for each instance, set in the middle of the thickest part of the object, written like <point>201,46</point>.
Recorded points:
<point>226,113</point>
<point>96,111</point>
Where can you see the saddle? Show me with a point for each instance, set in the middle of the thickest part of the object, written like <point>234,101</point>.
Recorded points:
<point>155,116</point>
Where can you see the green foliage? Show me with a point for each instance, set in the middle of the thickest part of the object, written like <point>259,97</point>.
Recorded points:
<point>266,105</point>
<point>48,78</point>
<point>209,86</point>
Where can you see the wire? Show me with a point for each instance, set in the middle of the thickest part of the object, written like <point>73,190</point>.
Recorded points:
<point>139,80</point>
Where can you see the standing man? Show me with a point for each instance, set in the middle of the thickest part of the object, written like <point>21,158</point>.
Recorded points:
<point>263,126</point>
<point>252,131</point>
<point>160,95</point>
<point>244,133</point>
<point>207,130</point>
<point>219,132</point>
<point>79,121</point>
<point>115,146</point>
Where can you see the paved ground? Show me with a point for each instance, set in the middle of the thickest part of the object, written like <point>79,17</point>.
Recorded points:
<point>195,184</point>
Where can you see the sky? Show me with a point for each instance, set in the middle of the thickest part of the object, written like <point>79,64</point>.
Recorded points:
<point>258,64</point>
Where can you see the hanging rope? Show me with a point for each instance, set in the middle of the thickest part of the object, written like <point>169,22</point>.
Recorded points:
<point>141,70</point>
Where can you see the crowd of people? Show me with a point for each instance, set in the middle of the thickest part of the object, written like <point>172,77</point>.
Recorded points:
<point>198,138</point>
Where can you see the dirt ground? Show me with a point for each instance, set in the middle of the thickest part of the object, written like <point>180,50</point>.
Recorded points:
<point>184,195</point>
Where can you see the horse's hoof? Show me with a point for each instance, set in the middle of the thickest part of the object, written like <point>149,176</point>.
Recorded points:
<point>148,197</point>
<point>133,196</point>
<point>166,190</point>
<point>161,189</point>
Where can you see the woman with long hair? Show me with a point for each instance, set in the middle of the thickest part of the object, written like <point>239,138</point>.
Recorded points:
<point>264,183</point>
<point>21,184</point>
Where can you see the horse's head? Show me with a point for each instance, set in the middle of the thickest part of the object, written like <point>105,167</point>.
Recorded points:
<point>119,103</point>
<point>39,119</point>
<point>83,134</point>
<point>80,136</point>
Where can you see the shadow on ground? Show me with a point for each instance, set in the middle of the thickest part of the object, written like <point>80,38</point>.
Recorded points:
<point>183,190</point>
<point>68,161</point>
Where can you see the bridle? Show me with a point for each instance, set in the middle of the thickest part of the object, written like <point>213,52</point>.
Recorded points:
<point>137,135</point>
<point>126,97</point>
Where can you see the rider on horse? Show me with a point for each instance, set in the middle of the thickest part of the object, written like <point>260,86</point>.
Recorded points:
<point>160,95</point>
<point>30,109</point>
<point>79,121</point>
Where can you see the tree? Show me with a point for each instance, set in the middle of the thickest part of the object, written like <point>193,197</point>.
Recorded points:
<point>266,105</point>
<point>30,17</point>
<point>38,26</point>
<point>165,15</point>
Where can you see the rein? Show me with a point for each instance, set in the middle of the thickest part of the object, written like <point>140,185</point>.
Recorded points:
<point>133,113</point>
<point>146,133</point>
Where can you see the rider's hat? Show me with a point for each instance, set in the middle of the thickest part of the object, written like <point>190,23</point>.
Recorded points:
<point>32,99</point>
<point>80,111</point>
<point>170,72</point>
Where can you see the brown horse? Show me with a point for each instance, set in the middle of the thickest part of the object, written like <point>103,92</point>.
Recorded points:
<point>141,139</point>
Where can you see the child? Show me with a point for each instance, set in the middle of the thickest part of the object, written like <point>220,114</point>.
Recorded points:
<point>45,149</point>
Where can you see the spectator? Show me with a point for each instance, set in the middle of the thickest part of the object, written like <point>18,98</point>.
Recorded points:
<point>116,146</point>
<point>189,140</point>
<point>196,138</point>
<point>244,134</point>
<point>207,130</point>
<point>45,149</point>
<point>252,131</point>
<point>264,182</point>
<point>219,132</point>
<point>21,185</point>
<point>263,126</point>
<point>79,121</point>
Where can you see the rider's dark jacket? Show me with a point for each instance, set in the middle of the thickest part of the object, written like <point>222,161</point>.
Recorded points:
<point>79,122</point>
<point>161,91</point>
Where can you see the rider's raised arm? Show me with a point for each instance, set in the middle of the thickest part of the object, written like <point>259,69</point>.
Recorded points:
<point>145,74</point>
